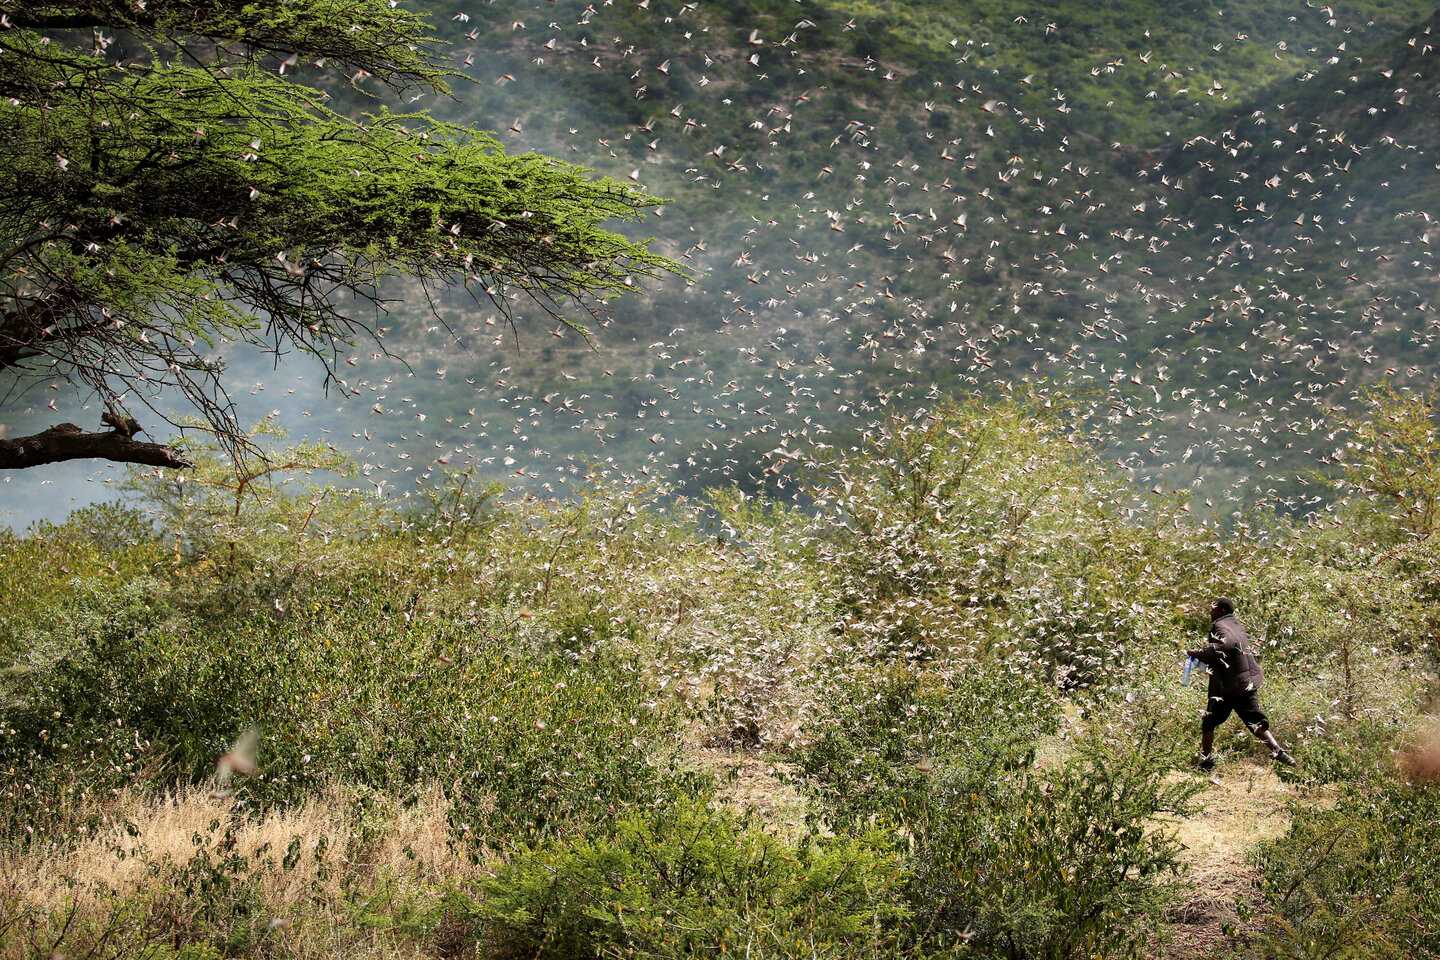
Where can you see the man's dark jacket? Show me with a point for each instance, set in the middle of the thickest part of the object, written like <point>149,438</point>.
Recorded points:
<point>1233,667</point>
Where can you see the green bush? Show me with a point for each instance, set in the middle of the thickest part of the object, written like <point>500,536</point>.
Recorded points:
<point>1052,864</point>
<point>1359,880</point>
<point>1343,751</point>
<point>569,746</point>
<point>987,528</point>
<point>692,881</point>
<point>868,759</point>
<point>1017,861</point>
<point>104,542</point>
<point>528,744</point>
<point>60,744</point>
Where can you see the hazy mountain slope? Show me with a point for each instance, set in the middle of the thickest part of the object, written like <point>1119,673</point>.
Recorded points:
<point>885,202</point>
<point>916,173</point>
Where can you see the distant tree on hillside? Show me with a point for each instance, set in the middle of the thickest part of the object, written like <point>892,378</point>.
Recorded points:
<point>168,187</point>
<point>1390,465</point>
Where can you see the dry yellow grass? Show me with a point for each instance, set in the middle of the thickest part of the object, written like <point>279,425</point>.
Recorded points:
<point>147,840</point>
<point>753,782</point>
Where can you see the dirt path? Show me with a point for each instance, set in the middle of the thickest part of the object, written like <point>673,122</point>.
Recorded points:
<point>1244,804</point>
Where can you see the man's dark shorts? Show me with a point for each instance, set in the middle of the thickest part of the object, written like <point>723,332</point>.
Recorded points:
<point>1246,704</point>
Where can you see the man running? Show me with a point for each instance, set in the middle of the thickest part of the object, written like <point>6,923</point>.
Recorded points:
<point>1235,679</point>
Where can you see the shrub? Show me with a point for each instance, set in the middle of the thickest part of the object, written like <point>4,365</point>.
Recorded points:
<point>1360,880</point>
<point>986,528</point>
<point>1017,861</point>
<point>869,758</point>
<point>1051,864</point>
<point>694,881</point>
<point>59,744</point>
<point>568,746</point>
<point>528,744</point>
<point>42,570</point>
<point>1343,751</point>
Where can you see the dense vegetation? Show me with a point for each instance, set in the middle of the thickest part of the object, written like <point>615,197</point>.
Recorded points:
<point>503,726</point>
<point>830,606</point>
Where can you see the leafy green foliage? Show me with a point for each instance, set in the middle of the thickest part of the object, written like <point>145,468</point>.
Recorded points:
<point>1341,751</point>
<point>58,758</point>
<point>870,759</point>
<point>592,749</point>
<point>693,881</point>
<point>528,746</point>
<point>271,611</point>
<point>1390,461</point>
<point>984,525</point>
<point>1018,860</point>
<point>288,508</point>
<point>109,541</point>
<point>1045,863</point>
<point>389,45</point>
<point>1359,880</point>
<point>155,209</point>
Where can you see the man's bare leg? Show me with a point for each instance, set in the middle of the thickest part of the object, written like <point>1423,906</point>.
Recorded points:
<point>1207,749</point>
<point>1277,751</point>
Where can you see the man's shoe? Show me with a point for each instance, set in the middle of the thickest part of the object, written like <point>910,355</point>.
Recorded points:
<point>1282,757</point>
<point>1207,762</point>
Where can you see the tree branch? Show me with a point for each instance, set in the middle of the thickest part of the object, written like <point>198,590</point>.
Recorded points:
<point>55,21</point>
<point>66,441</point>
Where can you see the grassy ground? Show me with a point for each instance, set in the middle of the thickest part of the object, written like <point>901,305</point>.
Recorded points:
<point>337,885</point>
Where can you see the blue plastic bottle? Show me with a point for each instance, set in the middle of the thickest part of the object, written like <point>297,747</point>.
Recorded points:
<point>1185,674</point>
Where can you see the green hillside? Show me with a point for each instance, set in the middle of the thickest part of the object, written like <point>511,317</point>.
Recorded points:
<point>895,203</point>
<point>885,203</point>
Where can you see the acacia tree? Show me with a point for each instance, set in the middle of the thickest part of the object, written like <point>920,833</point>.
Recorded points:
<point>168,187</point>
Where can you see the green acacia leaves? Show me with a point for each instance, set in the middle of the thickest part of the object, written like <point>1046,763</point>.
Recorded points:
<point>383,39</point>
<point>157,201</point>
